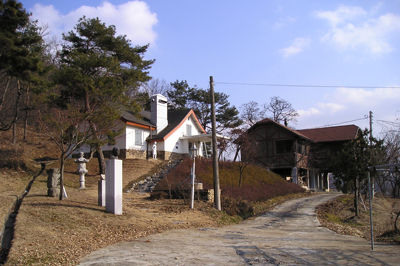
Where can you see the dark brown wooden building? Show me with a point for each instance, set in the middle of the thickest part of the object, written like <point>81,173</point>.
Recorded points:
<point>300,155</point>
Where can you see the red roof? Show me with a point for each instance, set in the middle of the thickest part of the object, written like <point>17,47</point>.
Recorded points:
<point>326,134</point>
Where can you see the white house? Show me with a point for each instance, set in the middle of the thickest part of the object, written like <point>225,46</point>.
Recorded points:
<point>175,132</point>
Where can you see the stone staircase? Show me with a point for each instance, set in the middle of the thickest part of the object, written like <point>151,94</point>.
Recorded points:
<point>148,183</point>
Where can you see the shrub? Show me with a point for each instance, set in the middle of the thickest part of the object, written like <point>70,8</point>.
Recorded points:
<point>12,159</point>
<point>258,183</point>
<point>232,206</point>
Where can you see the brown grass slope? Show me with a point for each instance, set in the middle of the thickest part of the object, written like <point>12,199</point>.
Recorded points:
<point>338,215</point>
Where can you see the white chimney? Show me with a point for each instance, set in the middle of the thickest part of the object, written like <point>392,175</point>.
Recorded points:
<point>159,112</point>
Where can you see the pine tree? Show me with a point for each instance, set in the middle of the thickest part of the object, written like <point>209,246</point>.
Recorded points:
<point>98,68</point>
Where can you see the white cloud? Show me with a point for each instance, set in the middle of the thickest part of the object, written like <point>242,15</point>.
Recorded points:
<point>299,44</point>
<point>353,27</point>
<point>322,109</point>
<point>310,112</point>
<point>359,96</point>
<point>352,105</point>
<point>133,19</point>
<point>331,107</point>
<point>282,22</point>
<point>341,15</point>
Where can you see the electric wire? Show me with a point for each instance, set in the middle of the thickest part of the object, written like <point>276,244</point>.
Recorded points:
<point>384,124</point>
<point>304,86</point>
<point>345,122</point>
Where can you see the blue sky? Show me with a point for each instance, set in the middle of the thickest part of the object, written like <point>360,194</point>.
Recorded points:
<point>350,48</point>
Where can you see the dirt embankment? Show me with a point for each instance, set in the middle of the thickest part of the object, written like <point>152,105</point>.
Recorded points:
<point>338,215</point>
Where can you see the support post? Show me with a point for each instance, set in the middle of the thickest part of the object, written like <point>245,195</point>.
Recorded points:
<point>370,210</point>
<point>217,199</point>
<point>370,143</point>
<point>193,180</point>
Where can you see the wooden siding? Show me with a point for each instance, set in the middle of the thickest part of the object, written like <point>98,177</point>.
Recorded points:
<point>266,136</point>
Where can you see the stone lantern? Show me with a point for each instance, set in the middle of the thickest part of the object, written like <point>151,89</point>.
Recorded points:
<point>81,161</point>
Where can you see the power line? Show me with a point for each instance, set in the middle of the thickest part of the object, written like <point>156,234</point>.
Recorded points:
<point>366,117</point>
<point>390,122</point>
<point>304,86</point>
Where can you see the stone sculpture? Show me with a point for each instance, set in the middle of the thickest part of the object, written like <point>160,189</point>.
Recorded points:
<point>81,161</point>
<point>155,150</point>
<point>115,153</point>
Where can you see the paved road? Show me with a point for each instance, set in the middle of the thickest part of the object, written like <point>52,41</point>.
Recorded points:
<point>288,235</point>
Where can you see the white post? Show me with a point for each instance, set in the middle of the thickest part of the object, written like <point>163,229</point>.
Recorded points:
<point>102,191</point>
<point>193,180</point>
<point>114,186</point>
<point>327,182</point>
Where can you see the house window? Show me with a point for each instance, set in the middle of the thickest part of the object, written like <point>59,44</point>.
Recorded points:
<point>138,137</point>
<point>188,130</point>
<point>283,146</point>
<point>301,149</point>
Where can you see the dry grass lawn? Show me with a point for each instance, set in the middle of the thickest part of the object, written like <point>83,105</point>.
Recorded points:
<point>53,232</point>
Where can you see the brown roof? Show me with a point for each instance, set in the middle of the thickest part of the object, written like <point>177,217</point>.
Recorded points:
<point>270,121</point>
<point>327,134</point>
<point>143,118</point>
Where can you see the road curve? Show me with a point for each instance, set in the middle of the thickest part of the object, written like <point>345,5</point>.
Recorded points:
<point>290,234</point>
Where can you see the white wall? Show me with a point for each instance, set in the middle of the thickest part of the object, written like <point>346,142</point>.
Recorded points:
<point>130,138</point>
<point>174,144</point>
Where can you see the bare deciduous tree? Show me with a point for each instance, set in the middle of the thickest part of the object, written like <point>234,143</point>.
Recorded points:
<point>156,86</point>
<point>387,181</point>
<point>281,110</point>
<point>251,113</point>
<point>245,150</point>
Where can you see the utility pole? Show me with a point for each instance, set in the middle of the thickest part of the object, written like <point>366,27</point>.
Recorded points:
<point>370,127</point>
<point>370,144</point>
<point>217,199</point>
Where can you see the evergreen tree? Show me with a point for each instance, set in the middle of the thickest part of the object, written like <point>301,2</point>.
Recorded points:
<point>183,96</point>
<point>21,62</point>
<point>98,68</point>
<point>350,164</point>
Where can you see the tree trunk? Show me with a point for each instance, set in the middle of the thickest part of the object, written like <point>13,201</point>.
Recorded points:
<point>236,153</point>
<point>14,139</point>
<point>356,196</point>
<point>5,92</point>
<point>62,161</point>
<point>26,113</point>
<point>102,161</point>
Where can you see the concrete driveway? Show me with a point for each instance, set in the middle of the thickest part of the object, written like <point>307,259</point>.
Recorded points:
<point>288,235</point>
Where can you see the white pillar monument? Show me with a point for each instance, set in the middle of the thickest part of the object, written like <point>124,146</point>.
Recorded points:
<point>114,184</point>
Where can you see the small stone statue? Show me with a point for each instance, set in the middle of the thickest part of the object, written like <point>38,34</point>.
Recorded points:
<point>81,161</point>
<point>155,150</point>
<point>115,153</point>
